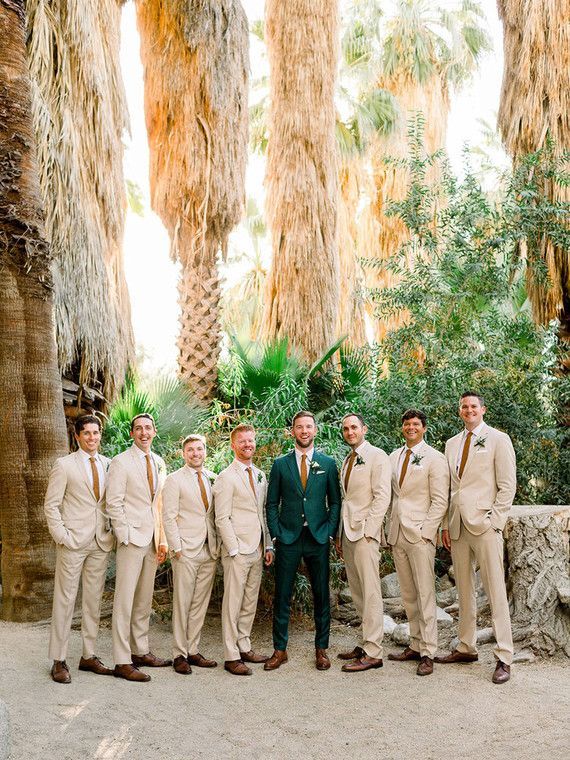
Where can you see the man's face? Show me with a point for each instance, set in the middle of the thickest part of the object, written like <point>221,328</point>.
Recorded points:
<point>413,431</point>
<point>471,411</point>
<point>89,438</point>
<point>243,445</point>
<point>353,431</point>
<point>143,433</point>
<point>304,431</point>
<point>194,454</point>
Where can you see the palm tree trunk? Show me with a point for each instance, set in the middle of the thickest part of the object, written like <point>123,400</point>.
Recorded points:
<point>32,425</point>
<point>302,181</point>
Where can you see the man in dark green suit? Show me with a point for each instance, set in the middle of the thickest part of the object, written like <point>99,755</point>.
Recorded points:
<point>303,509</point>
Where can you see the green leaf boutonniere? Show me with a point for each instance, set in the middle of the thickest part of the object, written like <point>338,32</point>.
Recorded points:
<point>417,459</point>
<point>359,461</point>
<point>480,442</point>
<point>259,477</point>
<point>316,468</point>
<point>212,479</point>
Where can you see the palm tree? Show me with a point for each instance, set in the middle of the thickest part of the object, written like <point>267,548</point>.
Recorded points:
<point>32,424</point>
<point>535,106</point>
<point>195,58</point>
<point>80,115</point>
<point>302,293</point>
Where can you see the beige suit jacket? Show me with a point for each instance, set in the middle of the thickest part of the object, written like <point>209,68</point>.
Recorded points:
<point>484,495</point>
<point>73,515</point>
<point>419,506</point>
<point>134,517</point>
<point>366,502</point>
<point>240,516</point>
<point>187,524</point>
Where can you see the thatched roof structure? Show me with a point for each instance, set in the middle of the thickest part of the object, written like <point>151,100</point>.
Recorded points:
<point>535,102</point>
<point>80,115</point>
<point>195,56</point>
<point>302,181</point>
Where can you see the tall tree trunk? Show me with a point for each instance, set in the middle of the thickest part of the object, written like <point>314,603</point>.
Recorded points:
<point>32,425</point>
<point>302,180</point>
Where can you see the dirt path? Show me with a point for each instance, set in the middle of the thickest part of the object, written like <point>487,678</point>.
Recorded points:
<point>296,712</point>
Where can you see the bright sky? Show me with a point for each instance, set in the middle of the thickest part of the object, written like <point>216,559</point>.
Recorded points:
<point>151,275</point>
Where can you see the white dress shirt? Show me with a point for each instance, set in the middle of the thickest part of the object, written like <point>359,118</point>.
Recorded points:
<point>357,451</point>
<point>415,450</point>
<point>86,457</point>
<point>299,453</point>
<point>476,431</point>
<point>205,480</point>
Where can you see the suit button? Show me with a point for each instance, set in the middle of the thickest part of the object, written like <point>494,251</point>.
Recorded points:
<point>303,516</point>
<point>304,498</point>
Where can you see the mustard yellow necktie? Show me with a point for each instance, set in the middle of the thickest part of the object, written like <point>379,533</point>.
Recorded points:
<point>405,467</point>
<point>95,474</point>
<point>149,476</point>
<point>349,467</point>
<point>465,453</point>
<point>304,474</point>
<point>251,483</point>
<point>202,487</point>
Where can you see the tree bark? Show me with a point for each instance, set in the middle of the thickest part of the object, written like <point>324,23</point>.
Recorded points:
<point>538,579</point>
<point>32,424</point>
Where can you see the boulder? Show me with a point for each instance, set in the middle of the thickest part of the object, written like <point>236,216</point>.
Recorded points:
<point>525,655</point>
<point>444,583</point>
<point>390,586</point>
<point>401,634</point>
<point>443,618</point>
<point>346,613</point>
<point>389,625</point>
<point>446,597</point>
<point>485,635</point>
<point>345,596</point>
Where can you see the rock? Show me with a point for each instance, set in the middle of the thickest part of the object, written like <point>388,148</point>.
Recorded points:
<point>347,613</point>
<point>390,586</point>
<point>450,572</point>
<point>389,625</point>
<point>454,643</point>
<point>452,607</point>
<point>443,618</point>
<point>485,635</point>
<point>394,606</point>
<point>444,583</point>
<point>345,596</point>
<point>525,655</point>
<point>401,634</point>
<point>4,732</point>
<point>446,597</point>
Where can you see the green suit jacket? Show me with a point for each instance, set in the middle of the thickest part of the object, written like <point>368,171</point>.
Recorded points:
<point>288,507</point>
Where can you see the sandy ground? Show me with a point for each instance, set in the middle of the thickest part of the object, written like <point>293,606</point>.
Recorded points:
<point>293,712</point>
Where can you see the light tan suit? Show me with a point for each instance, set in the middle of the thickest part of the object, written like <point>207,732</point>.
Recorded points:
<point>137,522</point>
<point>418,507</point>
<point>78,525</point>
<point>240,520</point>
<point>191,530</point>
<point>364,505</point>
<point>480,502</point>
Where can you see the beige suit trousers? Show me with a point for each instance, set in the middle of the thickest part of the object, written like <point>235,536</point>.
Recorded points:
<point>415,567</point>
<point>134,586</point>
<point>72,565</point>
<point>193,582</point>
<point>362,569</point>
<point>487,550</point>
<point>242,579</point>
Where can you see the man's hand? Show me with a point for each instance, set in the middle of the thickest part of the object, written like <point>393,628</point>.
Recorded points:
<point>269,557</point>
<point>178,554</point>
<point>161,554</point>
<point>445,540</point>
<point>338,547</point>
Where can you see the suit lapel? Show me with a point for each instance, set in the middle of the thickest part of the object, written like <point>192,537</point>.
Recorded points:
<point>311,474</point>
<point>483,433</point>
<point>395,457</point>
<point>245,481</point>
<point>83,473</point>
<point>292,462</point>
<point>412,472</point>
<point>192,480</point>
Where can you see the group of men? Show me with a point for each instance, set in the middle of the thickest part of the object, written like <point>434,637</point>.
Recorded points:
<point>306,505</point>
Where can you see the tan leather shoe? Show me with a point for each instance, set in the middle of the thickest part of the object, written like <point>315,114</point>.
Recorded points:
<point>201,662</point>
<point>150,660</point>
<point>94,665</point>
<point>60,672</point>
<point>278,658</point>
<point>322,662</point>
<point>456,656</point>
<point>354,654</point>
<point>363,663</point>
<point>237,668</point>
<point>130,673</point>
<point>502,672</point>
<point>425,667</point>
<point>252,656</point>
<point>181,665</point>
<point>407,654</point>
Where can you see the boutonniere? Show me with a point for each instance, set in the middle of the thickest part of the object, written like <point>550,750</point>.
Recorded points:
<point>417,459</point>
<point>480,442</point>
<point>212,479</point>
<point>259,477</point>
<point>359,461</point>
<point>316,468</point>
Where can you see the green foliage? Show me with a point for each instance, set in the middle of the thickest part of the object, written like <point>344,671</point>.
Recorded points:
<point>135,198</point>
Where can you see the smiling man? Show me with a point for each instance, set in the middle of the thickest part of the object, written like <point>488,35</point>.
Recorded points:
<point>483,472</point>
<point>303,507</point>
<point>420,492</point>
<point>136,478</point>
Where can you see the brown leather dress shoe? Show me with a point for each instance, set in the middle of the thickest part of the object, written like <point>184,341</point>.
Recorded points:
<point>354,654</point>
<point>237,668</point>
<point>407,654</point>
<point>94,665</point>
<point>200,662</point>
<point>130,673</point>
<point>456,656</point>
<point>502,672</point>
<point>60,672</point>
<point>181,665</point>
<point>363,663</point>
<point>278,658</point>
<point>425,667</point>
<point>150,660</point>
<point>322,662</point>
<point>252,656</point>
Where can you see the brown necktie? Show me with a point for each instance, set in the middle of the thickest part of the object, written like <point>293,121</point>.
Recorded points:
<point>465,453</point>
<point>304,474</point>
<point>202,490</point>
<point>349,467</point>
<point>251,483</point>
<point>95,473</point>
<point>149,476</point>
<point>405,467</point>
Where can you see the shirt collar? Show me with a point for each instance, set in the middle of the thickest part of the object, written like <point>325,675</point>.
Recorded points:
<point>309,452</point>
<point>475,431</point>
<point>86,456</point>
<point>359,448</point>
<point>243,465</point>
<point>415,449</point>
